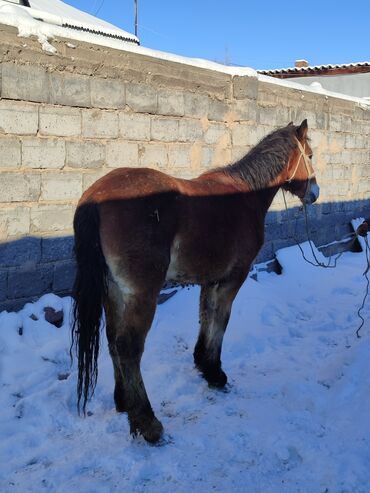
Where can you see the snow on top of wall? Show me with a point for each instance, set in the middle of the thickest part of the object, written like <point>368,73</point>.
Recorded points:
<point>20,17</point>
<point>363,102</point>
<point>28,25</point>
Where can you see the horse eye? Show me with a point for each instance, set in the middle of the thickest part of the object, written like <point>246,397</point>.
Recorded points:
<point>310,156</point>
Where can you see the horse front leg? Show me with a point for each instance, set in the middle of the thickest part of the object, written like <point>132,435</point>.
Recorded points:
<point>215,308</point>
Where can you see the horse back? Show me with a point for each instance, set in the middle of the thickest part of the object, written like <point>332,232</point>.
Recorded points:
<point>155,227</point>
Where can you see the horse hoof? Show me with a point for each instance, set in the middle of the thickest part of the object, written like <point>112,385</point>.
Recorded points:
<point>151,429</point>
<point>217,379</point>
<point>153,432</point>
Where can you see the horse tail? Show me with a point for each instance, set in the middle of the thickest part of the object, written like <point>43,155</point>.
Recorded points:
<point>89,292</point>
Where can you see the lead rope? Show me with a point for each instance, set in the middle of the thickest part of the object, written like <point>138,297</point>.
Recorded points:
<point>317,263</point>
<point>367,250</point>
<point>334,265</point>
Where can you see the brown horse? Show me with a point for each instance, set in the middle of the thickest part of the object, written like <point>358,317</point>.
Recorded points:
<point>137,228</point>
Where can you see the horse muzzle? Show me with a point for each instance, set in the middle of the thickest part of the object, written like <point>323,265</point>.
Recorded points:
<point>312,192</point>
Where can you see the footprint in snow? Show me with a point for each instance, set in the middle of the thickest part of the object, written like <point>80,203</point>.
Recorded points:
<point>344,291</point>
<point>288,456</point>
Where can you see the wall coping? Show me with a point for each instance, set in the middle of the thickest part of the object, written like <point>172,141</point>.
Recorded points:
<point>91,42</point>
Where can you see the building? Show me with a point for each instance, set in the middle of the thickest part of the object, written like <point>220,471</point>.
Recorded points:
<point>352,79</point>
<point>54,17</point>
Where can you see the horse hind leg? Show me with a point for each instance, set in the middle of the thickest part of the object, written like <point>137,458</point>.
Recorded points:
<point>215,307</point>
<point>112,306</point>
<point>128,323</point>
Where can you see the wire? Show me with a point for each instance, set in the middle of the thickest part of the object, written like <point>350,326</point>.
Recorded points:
<point>100,6</point>
<point>333,266</point>
<point>367,249</point>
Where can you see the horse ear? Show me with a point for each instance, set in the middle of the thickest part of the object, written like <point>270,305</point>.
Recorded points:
<point>302,130</point>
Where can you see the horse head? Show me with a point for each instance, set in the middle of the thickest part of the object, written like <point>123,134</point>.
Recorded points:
<point>299,174</point>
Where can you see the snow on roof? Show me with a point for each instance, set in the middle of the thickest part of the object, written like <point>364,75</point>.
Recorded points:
<point>55,14</point>
<point>313,69</point>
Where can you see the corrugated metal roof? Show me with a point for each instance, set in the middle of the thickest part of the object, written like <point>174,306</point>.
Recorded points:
<point>314,68</point>
<point>56,12</point>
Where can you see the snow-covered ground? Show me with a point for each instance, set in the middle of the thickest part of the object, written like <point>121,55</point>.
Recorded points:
<point>295,417</point>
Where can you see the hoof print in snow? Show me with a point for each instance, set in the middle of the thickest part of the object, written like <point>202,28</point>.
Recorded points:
<point>63,376</point>
<point>53,317</point>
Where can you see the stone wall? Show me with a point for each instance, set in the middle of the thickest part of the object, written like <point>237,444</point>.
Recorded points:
<point>67,119</point>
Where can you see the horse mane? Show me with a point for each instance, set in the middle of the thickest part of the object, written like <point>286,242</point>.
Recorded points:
<point>266,160</point>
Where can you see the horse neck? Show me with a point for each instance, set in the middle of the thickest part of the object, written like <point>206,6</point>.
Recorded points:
<point>264,198</point>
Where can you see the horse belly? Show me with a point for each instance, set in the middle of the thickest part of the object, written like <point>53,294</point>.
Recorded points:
<point>196,265</point>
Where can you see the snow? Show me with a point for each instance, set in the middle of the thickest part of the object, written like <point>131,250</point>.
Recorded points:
<point>294,417</point>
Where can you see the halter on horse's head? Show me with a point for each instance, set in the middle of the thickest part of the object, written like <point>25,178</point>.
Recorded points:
<point>300,176</point>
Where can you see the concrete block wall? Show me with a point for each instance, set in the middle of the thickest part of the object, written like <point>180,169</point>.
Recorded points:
<point>68,119</point>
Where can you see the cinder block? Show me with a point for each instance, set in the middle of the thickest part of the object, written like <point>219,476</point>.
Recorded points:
<point>32,281</point>
<point>86,154</point>
<point>121,154</point>
<point>134,126</point>
<point>22,252</point>
<point>61,186</point>
<point>3,285</point>
<point>14,221</point>
<point>89,178</point>
<point>50,218</point>
<point>64,275</point>
<point>43,153</point>
<point>275,116</point>
<point>10,152</point>
<point>170,103</point>
<point>24,82</point>
<point>99,123</point>
<point>19,187</point>
<point>218,110</point>
<point>153,155</point>
<point>107,93</point>
<point>179,156</point>
<point>222,156</point>
<point>57,248</point>
<point>245,135</point>
<point>165,129</point>
<point>14,305</point>
<point>190,130</point>
<point>69,89</point>
<point>237,152</point>
<point>207,157</point>
<point>245,87</point>
<point>196,105</point>
<point>216,133</point>
<point>141,98</point>
<point>335,123</point>
<point>18,118</point>
<point>60,121</point>
<point>245,110</point>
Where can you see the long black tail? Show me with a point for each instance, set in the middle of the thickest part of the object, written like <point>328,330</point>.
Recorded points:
<point>89,292</point>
